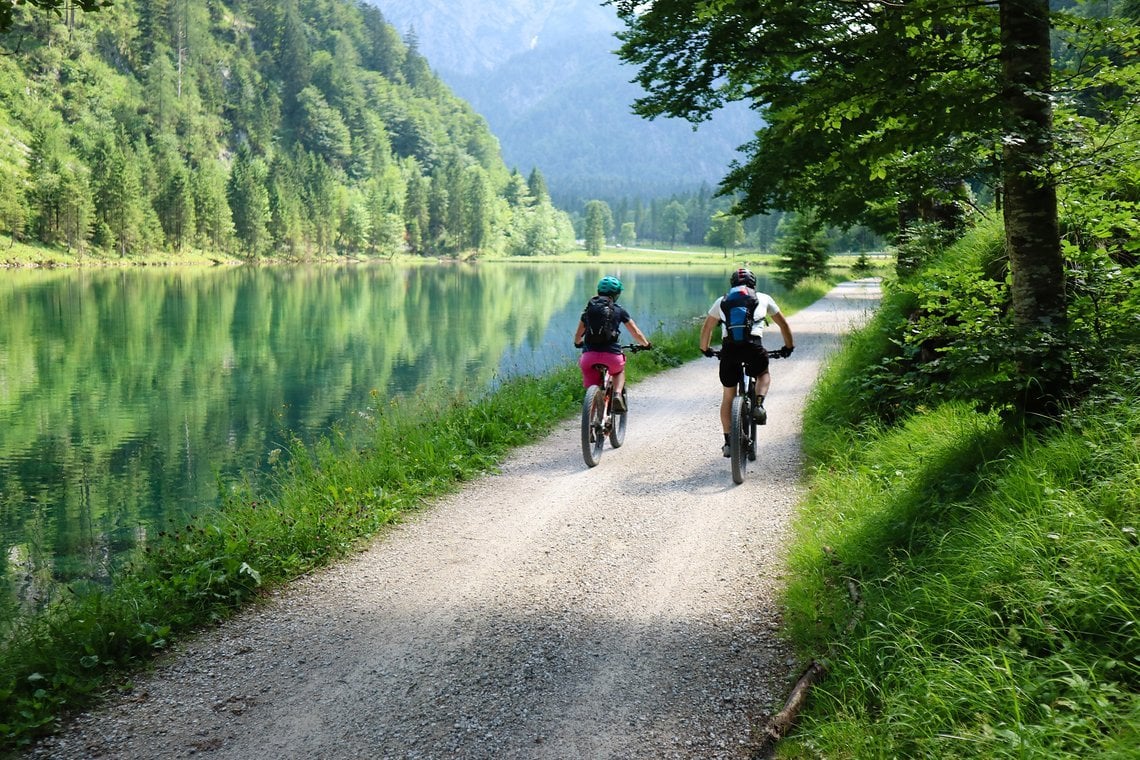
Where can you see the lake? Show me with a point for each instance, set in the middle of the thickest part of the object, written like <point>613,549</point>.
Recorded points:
<point>129,398</point>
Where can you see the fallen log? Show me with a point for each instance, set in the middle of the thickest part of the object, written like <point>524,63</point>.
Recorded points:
<point>780,723</point>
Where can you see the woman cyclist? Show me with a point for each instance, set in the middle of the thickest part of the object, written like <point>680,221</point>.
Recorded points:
<point>598,335</point>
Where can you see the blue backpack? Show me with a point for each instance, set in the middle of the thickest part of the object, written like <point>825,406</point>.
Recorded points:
<point>739,308</point>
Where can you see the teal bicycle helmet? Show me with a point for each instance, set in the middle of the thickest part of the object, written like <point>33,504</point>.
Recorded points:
<point>609,286</point>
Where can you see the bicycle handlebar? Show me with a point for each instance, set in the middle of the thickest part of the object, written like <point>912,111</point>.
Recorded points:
<point>772,354</point>
<point>632,347</point>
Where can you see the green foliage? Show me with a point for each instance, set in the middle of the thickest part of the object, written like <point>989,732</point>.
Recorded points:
<point>702,218</point>
<point>845,125</point>
<point>726,231</point>
<point>945,333</point>
<point>628,234</point>
<point>996,568</point>
<point>848,132</point>
<point>673,220</point>
<point>51,6</point>
<point>919,243</point>
<point>598,223</point>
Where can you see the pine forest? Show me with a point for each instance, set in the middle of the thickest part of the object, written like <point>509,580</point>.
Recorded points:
<point>249,129</point>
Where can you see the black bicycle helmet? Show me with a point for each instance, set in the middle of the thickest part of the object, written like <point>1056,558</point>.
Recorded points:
<point>743,276</point>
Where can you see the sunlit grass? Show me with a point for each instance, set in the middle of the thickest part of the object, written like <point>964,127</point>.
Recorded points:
<point>15,253</point>
<point>841,265</point>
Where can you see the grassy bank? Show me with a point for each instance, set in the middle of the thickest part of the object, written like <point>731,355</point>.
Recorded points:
<point>974,590</point>
<point>17,255</point>
<point>840,264</point>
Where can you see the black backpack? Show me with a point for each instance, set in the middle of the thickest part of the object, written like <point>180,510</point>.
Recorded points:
<point>600,319</point>
<point>739,308</point>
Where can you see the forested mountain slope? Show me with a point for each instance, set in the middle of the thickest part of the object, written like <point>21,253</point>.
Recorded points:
<point>249,127</point>
<point>544,74</point>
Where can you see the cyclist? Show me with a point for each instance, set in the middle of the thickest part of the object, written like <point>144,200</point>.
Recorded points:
<point>598,336</point>
<point>750,350</point>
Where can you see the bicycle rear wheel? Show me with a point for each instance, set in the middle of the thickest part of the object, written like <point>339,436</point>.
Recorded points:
<point>617,424</point>
<point>738,439</point>
<point>593,420</point>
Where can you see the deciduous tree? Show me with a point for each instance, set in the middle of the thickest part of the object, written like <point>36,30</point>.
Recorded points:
<point>871,103</point>
<point>598,222</point>
<point>673,221</point>
<point>725,231</point>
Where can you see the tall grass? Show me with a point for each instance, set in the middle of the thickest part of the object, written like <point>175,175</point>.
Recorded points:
<point>998,581</point>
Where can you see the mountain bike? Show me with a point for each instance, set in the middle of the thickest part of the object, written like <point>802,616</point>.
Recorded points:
<point>599,420</point>
<point>742,428</point>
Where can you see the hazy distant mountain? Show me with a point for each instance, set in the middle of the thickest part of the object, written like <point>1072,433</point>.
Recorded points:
<point>469,36</point>
<point>543,74</point>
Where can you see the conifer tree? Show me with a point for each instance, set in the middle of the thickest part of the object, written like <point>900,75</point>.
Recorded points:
<point>249,203</point>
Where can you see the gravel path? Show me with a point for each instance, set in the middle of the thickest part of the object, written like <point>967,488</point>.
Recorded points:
<point>548,611</point>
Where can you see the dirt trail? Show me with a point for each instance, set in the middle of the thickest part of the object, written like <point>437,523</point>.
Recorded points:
<point>549,611</point>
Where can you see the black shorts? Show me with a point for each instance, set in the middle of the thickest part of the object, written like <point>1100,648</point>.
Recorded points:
<point>753,354</point>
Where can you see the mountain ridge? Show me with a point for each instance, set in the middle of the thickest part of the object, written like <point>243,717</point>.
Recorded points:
<point>547,80</point>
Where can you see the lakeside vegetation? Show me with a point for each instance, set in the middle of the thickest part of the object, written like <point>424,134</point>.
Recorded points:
<point>838,263</point>
<point>972,584</point>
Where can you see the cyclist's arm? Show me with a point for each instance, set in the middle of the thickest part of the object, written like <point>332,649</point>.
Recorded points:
<point>707,330</point>
<point>636,332</point>
<point>580,332</point>
<point>785,330</point>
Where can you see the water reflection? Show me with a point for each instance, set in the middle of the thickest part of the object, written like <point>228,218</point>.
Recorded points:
<point>127,396</point>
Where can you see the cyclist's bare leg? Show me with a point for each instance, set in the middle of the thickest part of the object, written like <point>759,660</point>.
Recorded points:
<point>762,384</point>
<point>619,382</point>
<point>726,408</point>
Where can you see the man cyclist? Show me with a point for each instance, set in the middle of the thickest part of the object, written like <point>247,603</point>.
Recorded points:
<point>603,347</point>
<point>750,350</point>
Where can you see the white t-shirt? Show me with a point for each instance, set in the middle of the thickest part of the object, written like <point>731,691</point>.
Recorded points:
<point>765,307</point>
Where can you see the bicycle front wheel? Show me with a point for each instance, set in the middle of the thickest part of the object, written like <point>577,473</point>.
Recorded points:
<point>738,439</point>
<point>593,421</point>
<point>751,430</point>
<point>617,424</point>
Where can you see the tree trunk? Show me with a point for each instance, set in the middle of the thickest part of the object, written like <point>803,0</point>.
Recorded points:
<point>1030,201</point>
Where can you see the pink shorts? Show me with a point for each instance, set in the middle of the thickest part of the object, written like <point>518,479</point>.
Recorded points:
<point>615,363</point>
